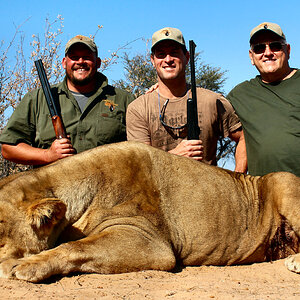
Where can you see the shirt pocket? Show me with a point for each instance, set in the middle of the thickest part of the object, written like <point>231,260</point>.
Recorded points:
<point>110,129</point>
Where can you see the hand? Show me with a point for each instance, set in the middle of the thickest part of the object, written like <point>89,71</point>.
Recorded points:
<point>189,148</point>
<point>59,149</point>
<point>152,88</point>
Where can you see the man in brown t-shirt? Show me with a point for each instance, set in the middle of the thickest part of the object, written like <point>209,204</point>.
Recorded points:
<point>159,118</point>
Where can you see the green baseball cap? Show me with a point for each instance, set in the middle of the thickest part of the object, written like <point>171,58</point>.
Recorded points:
<point>83,40</point>
<point>168,33</point>
<point>275,28</point>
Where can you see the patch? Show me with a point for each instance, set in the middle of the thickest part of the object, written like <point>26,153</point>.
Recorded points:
<point>111,104</point>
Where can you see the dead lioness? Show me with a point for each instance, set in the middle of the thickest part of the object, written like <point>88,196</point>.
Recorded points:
<point>129,207</point>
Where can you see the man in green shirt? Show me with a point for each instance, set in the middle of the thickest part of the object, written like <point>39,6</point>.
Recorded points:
<point>93,112</point>
<point>269,104</point>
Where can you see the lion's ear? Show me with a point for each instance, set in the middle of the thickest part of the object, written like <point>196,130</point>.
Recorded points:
<point>44,214</point>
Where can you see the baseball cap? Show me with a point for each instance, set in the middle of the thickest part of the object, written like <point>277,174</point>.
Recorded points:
<point>168,33</point>
<point>83,40</point>
<point>275,28</point>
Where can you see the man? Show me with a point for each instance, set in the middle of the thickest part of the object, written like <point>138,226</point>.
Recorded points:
<point>269,104</point>
<point>159,118</point>
<point>93,112</point>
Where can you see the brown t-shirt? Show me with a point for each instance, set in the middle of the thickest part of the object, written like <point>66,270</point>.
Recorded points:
<point>144,125</point>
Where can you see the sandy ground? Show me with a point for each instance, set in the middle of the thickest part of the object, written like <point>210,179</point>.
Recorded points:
<point>257,281</point>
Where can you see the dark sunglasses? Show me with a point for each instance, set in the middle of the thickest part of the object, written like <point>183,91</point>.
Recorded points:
<point>177,131</point>
<point>261,48</point>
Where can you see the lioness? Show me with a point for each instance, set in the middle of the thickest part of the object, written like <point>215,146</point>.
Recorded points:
<point>129,207</point>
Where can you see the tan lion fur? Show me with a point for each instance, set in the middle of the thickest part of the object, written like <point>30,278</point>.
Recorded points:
<point>129,207</point>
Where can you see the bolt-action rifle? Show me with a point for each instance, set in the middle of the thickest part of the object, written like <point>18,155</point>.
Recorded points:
<point>192,112</point>
<point>59,128</point>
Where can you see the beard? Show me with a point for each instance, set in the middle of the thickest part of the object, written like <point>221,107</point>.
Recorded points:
<point>80,82</point>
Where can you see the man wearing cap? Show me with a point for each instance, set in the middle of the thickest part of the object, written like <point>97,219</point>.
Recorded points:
<point>269,104</point>
<point>93,112</point>
<point>159,118</point>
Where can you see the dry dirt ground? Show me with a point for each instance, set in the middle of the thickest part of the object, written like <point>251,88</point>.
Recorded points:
<point>257,281</point>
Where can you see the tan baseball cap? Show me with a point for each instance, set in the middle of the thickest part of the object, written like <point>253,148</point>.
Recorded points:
<point>83,40</point>
<point>275,28</point>
<point>168,33</point>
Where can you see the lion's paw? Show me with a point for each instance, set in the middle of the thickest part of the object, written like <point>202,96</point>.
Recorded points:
<point>24,269</point>
<point>293,263</point>
<point>7,268</point>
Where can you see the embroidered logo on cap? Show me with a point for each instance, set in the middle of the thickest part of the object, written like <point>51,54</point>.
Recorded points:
<point>166,32</point>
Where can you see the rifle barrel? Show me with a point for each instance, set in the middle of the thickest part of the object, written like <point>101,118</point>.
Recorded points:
<point>58,125</point>
<point>192,111</point>
<point>46,87</point>
<point>192,66</point>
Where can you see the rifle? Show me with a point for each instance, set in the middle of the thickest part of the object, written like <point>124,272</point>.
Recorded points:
<point>192,113</point>
<point>58,125</point>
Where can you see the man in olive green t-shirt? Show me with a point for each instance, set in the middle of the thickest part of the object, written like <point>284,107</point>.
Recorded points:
<point>93,112</point>
<point>269,104</point>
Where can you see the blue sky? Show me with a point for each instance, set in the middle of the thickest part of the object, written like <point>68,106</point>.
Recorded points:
<point>219,28</point>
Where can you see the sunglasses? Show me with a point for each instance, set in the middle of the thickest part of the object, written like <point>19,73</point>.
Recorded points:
<point>261,48</point>
<point>175,132</point>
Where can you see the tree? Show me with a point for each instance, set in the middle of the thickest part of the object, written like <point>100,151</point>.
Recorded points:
<point>21,77</point>
<point>140,75</point>
<point>207,76</point>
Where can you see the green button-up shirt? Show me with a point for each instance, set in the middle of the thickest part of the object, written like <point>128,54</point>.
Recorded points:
<point>101,122</point>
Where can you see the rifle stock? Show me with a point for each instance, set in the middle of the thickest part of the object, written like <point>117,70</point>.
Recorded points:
<point>192,112</point>
<point>59,128</point>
